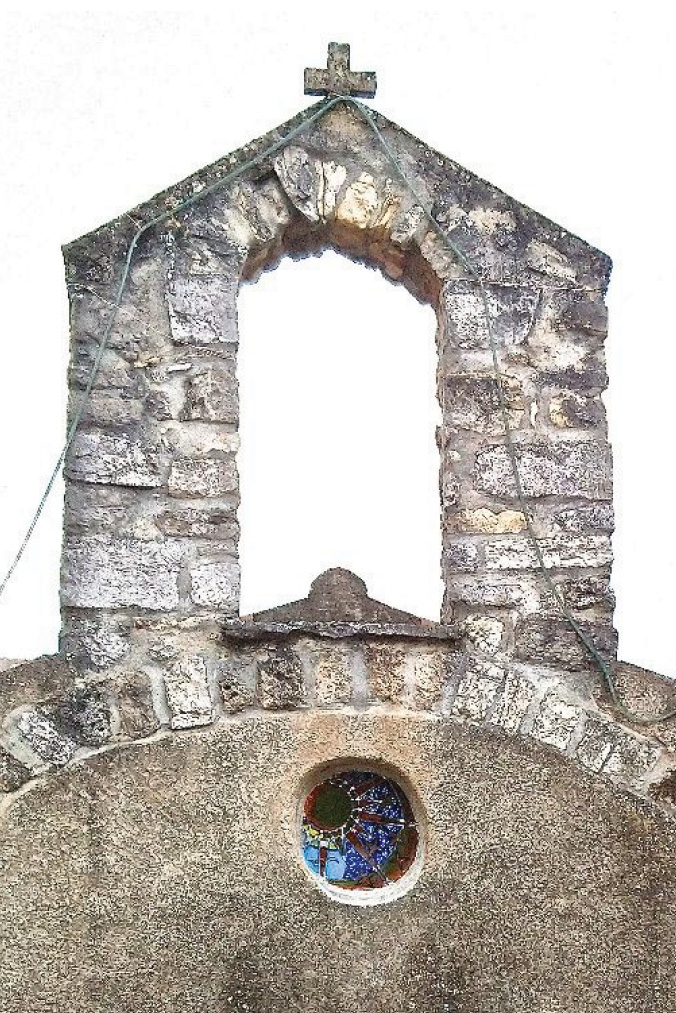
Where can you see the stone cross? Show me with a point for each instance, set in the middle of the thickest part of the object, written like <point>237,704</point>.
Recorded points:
<point>338,79</point>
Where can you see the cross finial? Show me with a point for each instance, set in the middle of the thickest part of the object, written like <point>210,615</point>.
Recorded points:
<point>338,79</point>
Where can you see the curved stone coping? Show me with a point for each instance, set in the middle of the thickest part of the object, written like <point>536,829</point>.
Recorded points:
<point>52,717</point>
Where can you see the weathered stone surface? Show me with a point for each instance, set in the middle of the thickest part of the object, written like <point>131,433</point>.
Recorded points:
<point>136,711</point>
<point>430,670</point>
<point>236,679</point>
<point>490,522</point>
<point>333,676</point>
<point>560,551</point>
<point>512,311</point>
<point>200,522</point>
<point>483,632</point>
<point>545,259</point>
<point>556,721</point>
<point>188,693</point>
<point>573,411</point>
<point>514,703</point>
<point>570,468</point>
<point>478,690</point>
<point>461,557</point>
<point>115,460</point>
<point>212,394</point>
<point>362,205</point>
<point>103,572</point>
<point>581,593</point>
<point>280,680</point>
<point>632,758</point>
<point>385,671</point>
<point>472,402</point>
<point>44,738</point>
<point>503,590</point>
<point>587,517</point>
<point>215,582</point>
<point>582,312</point>
<point>12,773</point>
<point>113,409</point>
<point>202,306</point>
<point>596,744</point>
<point>95,643</point>
<point>83,715</point>
<point>192,477</point>
<point>547,641</point>
<point>200,439</point>
<point>587,373</point>
<point>311,185</point>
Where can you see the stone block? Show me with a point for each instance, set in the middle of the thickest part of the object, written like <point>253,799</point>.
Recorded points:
<point>472,402</point>
<point>560,551</point>
<point>574,411</point>
<point>212,394</point>
<point>587,517</point>
<point>485,633</point>
<point>553,641</point>
<point>571,468</point>
<point>44,738</point>
<point>236,679</point>
<point>215,582</point>
<point>545,259</point>
<point>95,643</point>
<point>512,311</point>
<point>280,680</point>
<point>461,557</point>
<point>333,676</point>
<point>135,705</point>
<point>13,773</point>
<point>478,690</point>
<point>219,522</point>
<point>188,693</point>
<point>581,312</point>
<point>311,185</point>
<point>515,702</point>
<point>203,308</point>
<point>115,460</point>
<point>556,721</point>
<point>501,591</point>
<point>386,670</point>
<point>596,744</point>
<point>632,759</point>
<point>83,715</point>
<point>490,522</point>
<point>593,592</point>
<point>101,572</point>
<point>112,409</point>
<point>587,373</point>
<point>192,477</point>
<point>429,673</point>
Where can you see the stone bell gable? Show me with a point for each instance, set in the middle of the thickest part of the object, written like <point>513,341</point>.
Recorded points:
<point>198,808</point>
<point>152,485</point>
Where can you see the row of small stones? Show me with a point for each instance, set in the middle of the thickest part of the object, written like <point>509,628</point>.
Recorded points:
<point>194,691</point>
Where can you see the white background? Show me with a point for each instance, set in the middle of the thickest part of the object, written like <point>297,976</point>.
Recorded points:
<point>567,107</point>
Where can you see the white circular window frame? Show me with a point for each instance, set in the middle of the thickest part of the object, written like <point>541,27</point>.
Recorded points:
<point>384,894</point>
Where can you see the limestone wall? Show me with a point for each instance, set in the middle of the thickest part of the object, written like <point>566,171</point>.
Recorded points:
<point>152,486</point>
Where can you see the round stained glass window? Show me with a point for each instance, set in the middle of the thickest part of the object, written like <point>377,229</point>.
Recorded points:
<point>359,832</point>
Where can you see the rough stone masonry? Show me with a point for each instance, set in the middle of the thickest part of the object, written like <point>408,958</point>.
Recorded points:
<point>151,772</point>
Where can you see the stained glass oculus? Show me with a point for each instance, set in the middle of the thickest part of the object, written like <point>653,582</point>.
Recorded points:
<point>358,831</point>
